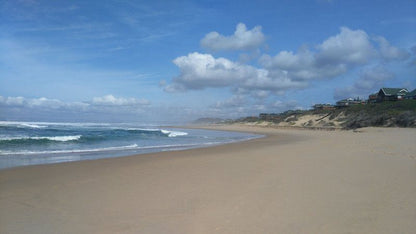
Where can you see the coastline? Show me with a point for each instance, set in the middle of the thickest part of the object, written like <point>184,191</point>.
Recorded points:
<point>290,181</point>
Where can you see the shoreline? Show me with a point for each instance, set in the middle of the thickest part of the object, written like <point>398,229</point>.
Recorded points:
<point>290,181</point>
<point>198,139</point>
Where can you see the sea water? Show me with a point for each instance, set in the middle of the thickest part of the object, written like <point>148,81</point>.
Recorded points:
<point>30,143</point>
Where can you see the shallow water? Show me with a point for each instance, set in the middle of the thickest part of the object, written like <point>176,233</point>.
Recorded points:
<point>30,143</point>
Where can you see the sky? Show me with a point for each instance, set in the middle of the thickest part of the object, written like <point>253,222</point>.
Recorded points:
<point>176,61</point>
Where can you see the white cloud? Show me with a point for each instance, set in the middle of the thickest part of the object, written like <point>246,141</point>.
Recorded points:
<point>333,57</point>
<point>12,101</point>
<point>373,78</point>
<point>242,39</point>
<point>302,66</point>
<point>390,52</point>
<point>348,47</point>
<point>369,81</point>
<point>110,100</point>
<point>42,103</point>
<point>337,55</point>
<point>97,104</point>
<point>272,81</point>
<point>45,102</point>
<point>200,71</point>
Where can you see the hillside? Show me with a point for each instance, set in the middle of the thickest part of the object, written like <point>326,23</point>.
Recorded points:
<point>385,114</point>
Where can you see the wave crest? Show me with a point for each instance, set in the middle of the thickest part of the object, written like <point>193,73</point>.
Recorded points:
<point>21,125</point>
<point>52,138</point>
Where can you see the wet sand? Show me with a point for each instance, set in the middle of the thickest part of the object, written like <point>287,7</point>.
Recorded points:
<point>292,181</point>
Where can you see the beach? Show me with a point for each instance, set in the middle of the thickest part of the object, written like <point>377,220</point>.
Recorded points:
<point>290,181</point>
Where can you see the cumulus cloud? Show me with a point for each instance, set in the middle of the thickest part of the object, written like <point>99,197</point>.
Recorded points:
<point>370,80</point>
<point>348,50</point>
<point>348,47</point>
<point>390,52</point>
<point>203,70</point>
<point>302,66</point>
<point>332,58</point>
<point>242,39</point>
<point>200,71</point>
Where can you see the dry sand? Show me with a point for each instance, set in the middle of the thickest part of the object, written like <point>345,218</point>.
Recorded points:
<point>293,181</point>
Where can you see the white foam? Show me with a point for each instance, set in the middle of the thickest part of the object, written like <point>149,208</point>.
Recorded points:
<point>140,129</point>
<point>53,138</point>
<point>166,132</point>
<point>173,133</point>
<point>134,146</point>
<point>62,138</point>
<point>21,124</point>
<point>117,148</point>
<point>31,125</point>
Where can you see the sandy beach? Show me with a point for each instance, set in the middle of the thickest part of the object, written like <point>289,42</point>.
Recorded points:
<point>291,181</point>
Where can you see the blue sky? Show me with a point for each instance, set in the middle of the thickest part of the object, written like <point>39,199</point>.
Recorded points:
<point>175,61</point>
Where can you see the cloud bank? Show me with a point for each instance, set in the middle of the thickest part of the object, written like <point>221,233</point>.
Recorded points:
<point>287,70</point>
<point>105,108</point>
<point>110,100</point>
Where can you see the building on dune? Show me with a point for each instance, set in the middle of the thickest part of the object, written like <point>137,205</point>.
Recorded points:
<point>391,94</point>
<point>323,107</point>
<point>411,95</point>
<point>372,98</point>
<point>349,102</point>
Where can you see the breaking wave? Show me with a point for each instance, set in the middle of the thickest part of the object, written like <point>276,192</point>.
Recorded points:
<point>173,133</point>
<point>52,138</point>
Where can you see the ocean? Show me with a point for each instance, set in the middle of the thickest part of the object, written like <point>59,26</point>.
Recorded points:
<point>31,143</point>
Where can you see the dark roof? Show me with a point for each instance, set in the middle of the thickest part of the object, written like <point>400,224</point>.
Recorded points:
<point>394,91</point>
<point>411,94</point>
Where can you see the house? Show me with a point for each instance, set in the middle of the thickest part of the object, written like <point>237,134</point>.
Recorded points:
<point>391,94</point>
<point>349,102</point>
<point>411,95</point>
<point>372,98</point>
<point>323,107</point>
